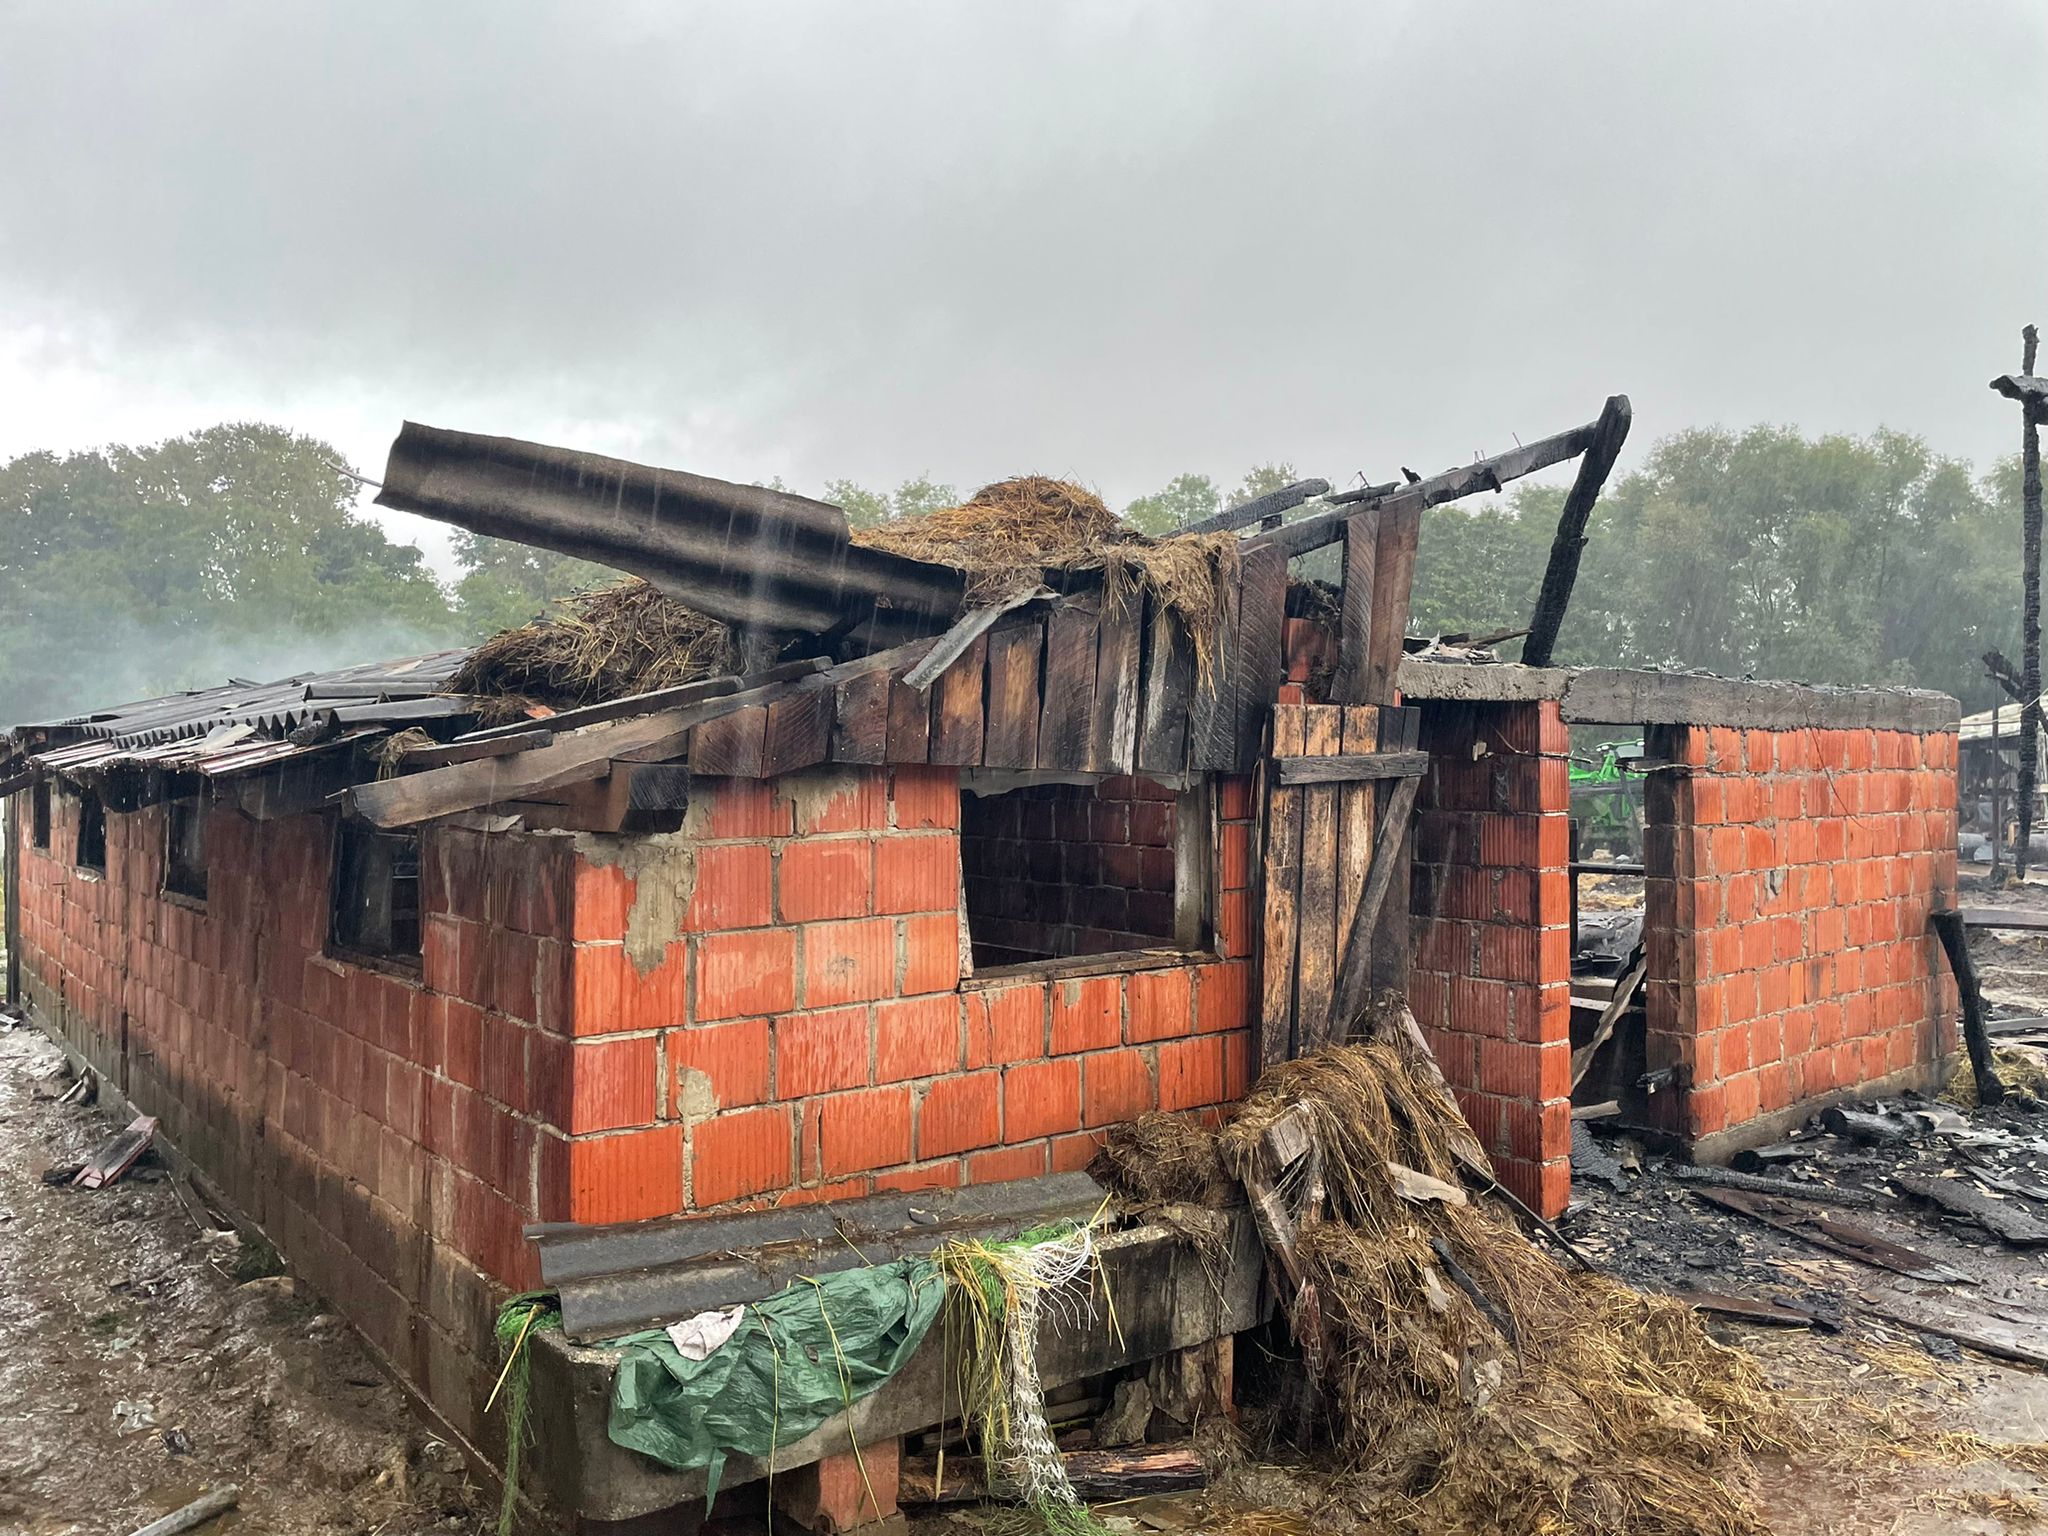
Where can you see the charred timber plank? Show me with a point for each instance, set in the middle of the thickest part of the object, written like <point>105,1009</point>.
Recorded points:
<point>1352,767</point>
<point>1212,714</point>
<point>1094,1474</point>
<point>954,643</point>
<point>1400,731</point>
<point>1354,625</point>
<point>648,703</point>
<point>1113,728</point>
<point>860,721</point>
<point>1169,671</point>
<point>1260,662</point>
<point>471,749</point>
<point>1568,544</point>
<point>1955,940</point>
<point>1259,508</point>
<point>799,731</point>
<point>731,746</point>
<point>1280,932</point>
<point>959,702</point>
<point>1315,965</point>
<point>2001,917</point>
<point>1609,433</point>
<point>910,723</point>
<point>1071,636</point>
<point>1354,821</point>
<point>1355,980</point>
<point>1015,653</point>
<point>1393,579</point>
<point>1483,475</point>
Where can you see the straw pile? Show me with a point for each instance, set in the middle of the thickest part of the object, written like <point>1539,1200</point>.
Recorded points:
<point>1009,535</point>
<point>1567,1403</point>
<point>598,645</point>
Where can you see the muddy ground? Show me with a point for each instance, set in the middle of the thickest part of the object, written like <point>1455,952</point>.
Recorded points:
<point>146,1357</point>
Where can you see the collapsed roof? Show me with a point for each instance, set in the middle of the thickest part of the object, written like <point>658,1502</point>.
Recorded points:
<point>1111,653</point>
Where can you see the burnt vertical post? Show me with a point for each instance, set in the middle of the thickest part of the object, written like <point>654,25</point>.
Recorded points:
<point>1997,801</point>
<point>2032,394</point>
<point>1609,433</point>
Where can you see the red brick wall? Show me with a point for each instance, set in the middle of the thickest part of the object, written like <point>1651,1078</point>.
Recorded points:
<point>1791,877</point>
<point>1068,869</point>
<point>383,1130</point>
<point>767,1006</point>
<point>807,1033</point>
<point>1491,915</point>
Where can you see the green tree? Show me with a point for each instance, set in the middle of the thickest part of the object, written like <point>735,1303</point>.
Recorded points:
<point>1762,553</point>
<point>131,571</point>
<point>505,584</point>
<point>913,498</point>
<point>1185,499</point>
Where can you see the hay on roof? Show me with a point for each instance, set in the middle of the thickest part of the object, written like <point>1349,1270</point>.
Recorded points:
<point>1009,535</point>
<point>603,644</point>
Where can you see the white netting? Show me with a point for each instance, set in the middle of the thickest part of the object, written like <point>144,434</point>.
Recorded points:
<point>1030,1464</point>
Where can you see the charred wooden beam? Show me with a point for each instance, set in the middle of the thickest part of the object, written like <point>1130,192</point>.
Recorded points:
<point>2032,395</point>
<point>1955,940</point>
<point>1609,433</point>
<point>1259,508</point>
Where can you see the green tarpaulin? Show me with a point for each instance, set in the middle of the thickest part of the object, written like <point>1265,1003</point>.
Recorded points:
<point>797,1359</point>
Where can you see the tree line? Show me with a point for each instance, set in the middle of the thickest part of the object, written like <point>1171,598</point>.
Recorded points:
<point>238,551</point>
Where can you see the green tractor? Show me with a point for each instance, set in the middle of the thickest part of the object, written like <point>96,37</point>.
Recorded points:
<point>1607,800</point>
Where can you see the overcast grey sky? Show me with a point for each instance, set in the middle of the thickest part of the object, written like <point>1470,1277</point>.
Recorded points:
<point>1110,240</point>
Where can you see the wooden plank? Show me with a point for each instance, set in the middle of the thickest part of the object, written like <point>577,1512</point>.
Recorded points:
<point>1555,595</point>
<point>1116,962</point>
<point>648,797</point>
<point>1069,690</point>
<point>1259,508</point>
<point>1393,576</point>
<point>1482,475</point>
<point>730,746</point>
<point>1014,653</point>
<point>1260,663</point>
<point>860,720</point>
<point>471,751</point>
<point>1120,1474</point>
<point>659,698</point>
<point>1952,928</point>
<point>910,722</point>
<point>1315,966</point>
<point>957,641</point>
<point>2007,918</point>
<point>1113,726</point>
<point>1354,821</point>
<point>799,731</point>
<point>1354,625</point>
<point>1354,981</point>
<point>1167,687</point>
<point>1349,767</point>
<point>1212,718</point>
<point>1400,731</point>
<point>1280,931</point>
<point>958,704</point>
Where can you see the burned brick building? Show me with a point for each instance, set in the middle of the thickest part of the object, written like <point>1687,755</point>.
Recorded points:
<point>932,888</point>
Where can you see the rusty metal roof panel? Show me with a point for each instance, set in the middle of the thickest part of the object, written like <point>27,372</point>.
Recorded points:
<point>744,554</point>
<point>242,726</point>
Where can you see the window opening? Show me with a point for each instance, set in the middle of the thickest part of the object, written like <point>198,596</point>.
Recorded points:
<point>185,848</point>
<point>92,833</point>
<point>376,893</point>
<point>1053,871</point>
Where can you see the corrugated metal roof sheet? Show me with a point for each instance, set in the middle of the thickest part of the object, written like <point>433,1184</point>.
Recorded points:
<point>243,726</point>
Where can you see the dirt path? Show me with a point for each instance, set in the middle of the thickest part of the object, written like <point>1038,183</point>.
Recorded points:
<point>140,1366</point>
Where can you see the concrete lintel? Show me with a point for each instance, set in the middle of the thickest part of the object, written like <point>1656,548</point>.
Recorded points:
<point>1165,1297</point>
<point>1614,695</point>
<point>1631,696</point>
<point>1463,682</point>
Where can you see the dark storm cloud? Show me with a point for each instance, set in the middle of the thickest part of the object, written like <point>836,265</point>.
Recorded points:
<point>1116,241</point>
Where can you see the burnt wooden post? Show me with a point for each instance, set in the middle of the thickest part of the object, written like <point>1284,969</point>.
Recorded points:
<point>2032,394</point>
<point>1609,433</point>
<point>1997,802</point>
<point>1955,938</point>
